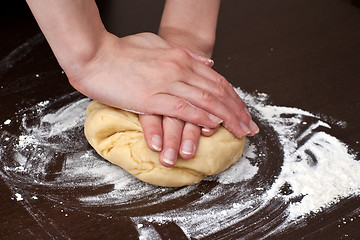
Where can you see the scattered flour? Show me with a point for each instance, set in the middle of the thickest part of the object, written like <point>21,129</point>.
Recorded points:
<point>18,197</point>
<point>240,171</point>
<point>316,168</point>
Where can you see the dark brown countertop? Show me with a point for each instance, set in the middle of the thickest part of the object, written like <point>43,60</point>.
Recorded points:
<point>302,54</point>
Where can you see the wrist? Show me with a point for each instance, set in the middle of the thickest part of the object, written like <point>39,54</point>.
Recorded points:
<point>73,30</point>
<point>77,56</point>
<point>191,24</point>
<point>201,44</point>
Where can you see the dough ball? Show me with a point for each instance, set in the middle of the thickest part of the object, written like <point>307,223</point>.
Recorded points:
<point>118,137</point>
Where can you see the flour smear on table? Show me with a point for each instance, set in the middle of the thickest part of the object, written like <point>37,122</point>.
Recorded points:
<point>317,170</point>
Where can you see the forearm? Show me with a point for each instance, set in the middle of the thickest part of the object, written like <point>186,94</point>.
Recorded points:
<point>73,29</point>
<point>191,23</point>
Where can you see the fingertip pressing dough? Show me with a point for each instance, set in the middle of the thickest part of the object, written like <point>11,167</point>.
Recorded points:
<point>117,136</point>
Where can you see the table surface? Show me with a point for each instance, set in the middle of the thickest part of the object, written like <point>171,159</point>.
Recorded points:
<point>303,54</point>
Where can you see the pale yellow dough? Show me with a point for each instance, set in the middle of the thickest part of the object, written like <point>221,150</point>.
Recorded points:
<point>118,137</point>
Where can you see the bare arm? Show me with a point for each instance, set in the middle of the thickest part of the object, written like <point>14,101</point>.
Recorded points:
<point>73,29</point>
<point>190,25</point>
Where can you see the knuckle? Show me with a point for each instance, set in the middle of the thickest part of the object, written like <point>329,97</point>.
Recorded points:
<point>172,66</point>
<point>243,114</point>
<point>221,80</point>
<point>197,117</point>
<point>180,105</point>
<point>207,97</point>
<point>175,63</point>
<point>180,54</point>
<point>240,110</point>
<point>221,91</point>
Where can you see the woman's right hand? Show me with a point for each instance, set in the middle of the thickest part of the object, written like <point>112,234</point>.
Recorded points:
<point>145,74</point>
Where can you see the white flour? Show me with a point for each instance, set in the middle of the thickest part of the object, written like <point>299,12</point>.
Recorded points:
<point>18,197</point>
<point>336,173</point>
<point>317,169</point>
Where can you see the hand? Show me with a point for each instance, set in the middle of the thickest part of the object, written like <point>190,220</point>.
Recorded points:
<point>171,137</point>
<point>144,73</point>
<point>189,25</point>
<point>178,137</point>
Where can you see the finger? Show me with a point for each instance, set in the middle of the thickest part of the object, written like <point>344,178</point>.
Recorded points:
<point>207,132</point>
<point>172,129</point>
<point>152,127</point>
<point>253,126</point>
<point>210,74</point>
<point>207,61</point>
<point>233,119</point>
<point>219,87</point>
<point>189,141</point>
<point>180,108</point>
<point>222,89</point>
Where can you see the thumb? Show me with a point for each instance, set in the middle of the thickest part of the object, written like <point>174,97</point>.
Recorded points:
<point>207,61</point>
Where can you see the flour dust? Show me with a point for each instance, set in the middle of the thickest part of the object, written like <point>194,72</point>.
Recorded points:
<point>293,168</point>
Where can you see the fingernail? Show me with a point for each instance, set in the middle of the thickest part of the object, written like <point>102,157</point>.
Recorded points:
<point>205,129</point>
<point>215,119</point>
<point>210,62</point>
<point>156,142</point>
<point>245,129</point>
<point>187,147</point>
<point>254,128</point>
<point>169,156</point>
